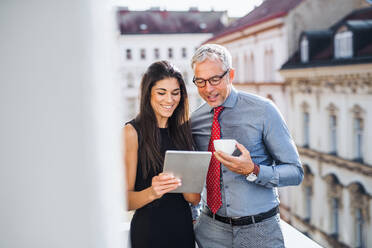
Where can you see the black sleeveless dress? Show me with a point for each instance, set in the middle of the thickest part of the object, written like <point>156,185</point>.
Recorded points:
<point>165,222</point>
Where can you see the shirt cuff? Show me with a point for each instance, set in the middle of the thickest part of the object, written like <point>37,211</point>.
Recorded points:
<point>267,175</point>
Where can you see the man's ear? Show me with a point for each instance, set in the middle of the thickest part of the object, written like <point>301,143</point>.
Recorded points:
<point>231,74</point>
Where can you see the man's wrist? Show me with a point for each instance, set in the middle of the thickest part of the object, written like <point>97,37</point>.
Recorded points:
<point>251,177</point>
<point>256,169</point>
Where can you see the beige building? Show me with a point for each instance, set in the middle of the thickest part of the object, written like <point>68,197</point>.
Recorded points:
<point>329,83</point>
<point>263,40</point>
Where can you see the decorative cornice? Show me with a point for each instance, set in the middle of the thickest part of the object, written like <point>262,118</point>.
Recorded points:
<point>352,166</point>
<point>345,84</point>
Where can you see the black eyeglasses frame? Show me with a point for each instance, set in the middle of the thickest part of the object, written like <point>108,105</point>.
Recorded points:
<point>214,81</point>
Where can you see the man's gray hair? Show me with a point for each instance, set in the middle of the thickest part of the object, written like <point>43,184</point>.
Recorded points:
<point>212,52</point>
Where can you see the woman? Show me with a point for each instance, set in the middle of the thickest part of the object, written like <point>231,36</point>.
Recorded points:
<point>161,219</point>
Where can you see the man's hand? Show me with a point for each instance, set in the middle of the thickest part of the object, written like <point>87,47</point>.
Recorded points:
<point>241,165</point>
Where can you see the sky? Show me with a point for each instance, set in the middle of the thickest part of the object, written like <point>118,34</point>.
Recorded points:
<point>235,8</point>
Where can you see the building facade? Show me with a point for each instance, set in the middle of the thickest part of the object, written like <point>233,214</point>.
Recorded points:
<point>329,83</point>
<point>263,40</point>
<point>148,36</point>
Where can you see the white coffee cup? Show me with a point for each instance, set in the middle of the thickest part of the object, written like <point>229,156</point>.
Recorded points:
<point>225,145</point>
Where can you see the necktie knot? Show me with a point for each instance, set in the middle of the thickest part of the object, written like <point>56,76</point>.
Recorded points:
<point>217,111</point>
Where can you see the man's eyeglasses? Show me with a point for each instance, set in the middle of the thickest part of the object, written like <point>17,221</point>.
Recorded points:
<point>215,80</point>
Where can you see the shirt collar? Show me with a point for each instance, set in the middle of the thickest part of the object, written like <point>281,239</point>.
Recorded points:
<point>230,100</point>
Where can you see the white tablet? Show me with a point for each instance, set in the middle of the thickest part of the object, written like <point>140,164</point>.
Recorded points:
<point>190,166</point>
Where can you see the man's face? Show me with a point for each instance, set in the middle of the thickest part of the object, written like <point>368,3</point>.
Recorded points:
<point>214,95</point>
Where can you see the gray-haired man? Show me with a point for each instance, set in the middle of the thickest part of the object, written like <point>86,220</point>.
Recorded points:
<point>240,200</point>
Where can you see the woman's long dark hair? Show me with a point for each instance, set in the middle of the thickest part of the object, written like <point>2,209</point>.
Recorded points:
<point>178,123</point>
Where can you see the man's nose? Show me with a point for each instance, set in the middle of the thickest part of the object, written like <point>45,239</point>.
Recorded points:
<point>208,87</point>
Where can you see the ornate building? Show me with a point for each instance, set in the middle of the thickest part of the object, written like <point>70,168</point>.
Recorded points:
<point>264,39</point>
<point>329,82</point>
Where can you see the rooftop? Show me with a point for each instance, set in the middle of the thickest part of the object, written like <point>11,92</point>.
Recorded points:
<point>156,21</point>
<point>321,42</point>
<point>268,10</point>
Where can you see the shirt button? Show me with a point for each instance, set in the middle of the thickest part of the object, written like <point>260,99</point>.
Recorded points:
<point>224,171</point>
<point>227,205</point>
<point>226,187</point>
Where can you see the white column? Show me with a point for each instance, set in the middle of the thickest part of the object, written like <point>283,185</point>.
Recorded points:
<point>60,163</point>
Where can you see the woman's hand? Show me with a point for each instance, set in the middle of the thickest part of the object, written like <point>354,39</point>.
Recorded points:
<point>164,183</point>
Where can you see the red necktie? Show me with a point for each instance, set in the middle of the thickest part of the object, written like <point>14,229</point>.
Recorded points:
<point>213,177</point>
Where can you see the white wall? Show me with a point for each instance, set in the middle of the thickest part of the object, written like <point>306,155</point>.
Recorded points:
<point>61,174</point>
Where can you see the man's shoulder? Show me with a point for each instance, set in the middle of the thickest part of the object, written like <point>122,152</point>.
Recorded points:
<point>252,99</point>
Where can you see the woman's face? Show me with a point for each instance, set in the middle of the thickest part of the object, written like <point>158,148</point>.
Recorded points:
<point>165,97</point>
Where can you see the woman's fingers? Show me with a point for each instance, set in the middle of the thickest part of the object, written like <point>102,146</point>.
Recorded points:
<point>164,183</point>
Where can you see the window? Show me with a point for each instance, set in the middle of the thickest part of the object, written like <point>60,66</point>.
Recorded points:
<point>130,80</point>
<point>236,66</point>
<point>359,206</point>
<point>359,228</point>
<point>308,192</point>
<point>143,54</point>
<point>246,68</point>
<point>344,44</point>
<point>358,139</point>
<point>184,52</point>
<point>128,54</point>
<point>304,50</point>
<point>334,196</point>
<point>269,65</point>
<point>156,53</point>
<point>357,133</point>
<point>333,134</point>
<point>170,53</point>
<point>335,217</point>
<point>251,69</point>
<point>306,129</point>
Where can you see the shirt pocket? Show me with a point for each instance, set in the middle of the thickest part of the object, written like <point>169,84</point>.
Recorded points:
<point>250,138</point>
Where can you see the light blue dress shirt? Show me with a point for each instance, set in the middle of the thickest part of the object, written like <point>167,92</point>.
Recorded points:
<point>256,123</point>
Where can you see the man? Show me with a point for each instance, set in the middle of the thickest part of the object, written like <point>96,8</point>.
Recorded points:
<point>240,200</point>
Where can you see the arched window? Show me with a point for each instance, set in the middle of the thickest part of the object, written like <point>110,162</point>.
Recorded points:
<point>307,185</point>
<point>332,128</point>
<point>359,207</point>
<point>305,125</point>
<point>334,195</point>
<point>358,133</point>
